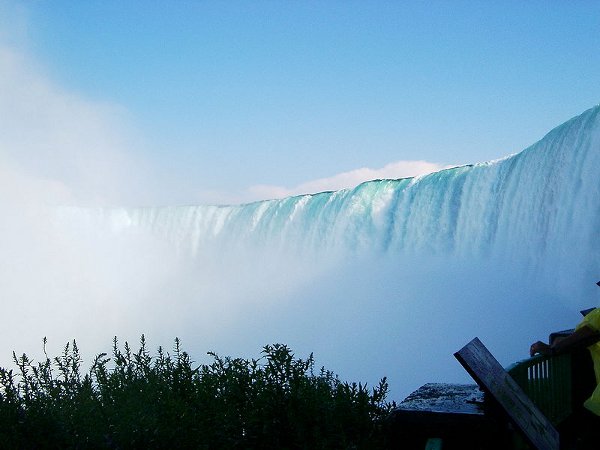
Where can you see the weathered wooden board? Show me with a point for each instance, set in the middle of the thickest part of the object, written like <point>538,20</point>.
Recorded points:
<point>492,378</point>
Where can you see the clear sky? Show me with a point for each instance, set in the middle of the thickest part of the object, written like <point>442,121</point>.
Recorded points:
<point>188,102</point>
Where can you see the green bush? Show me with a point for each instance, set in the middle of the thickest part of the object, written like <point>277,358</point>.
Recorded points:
<point>134,400</point>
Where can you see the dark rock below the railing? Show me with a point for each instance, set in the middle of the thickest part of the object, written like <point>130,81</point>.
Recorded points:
<point>445,398</point>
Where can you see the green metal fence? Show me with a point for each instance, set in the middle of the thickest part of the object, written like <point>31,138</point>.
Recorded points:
<point>547,382</point>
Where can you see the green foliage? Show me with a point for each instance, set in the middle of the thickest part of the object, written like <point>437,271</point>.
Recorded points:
<point>134,400</point>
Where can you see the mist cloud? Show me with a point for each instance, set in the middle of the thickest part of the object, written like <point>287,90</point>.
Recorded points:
<point>59,149</point>
<point>53,138</point>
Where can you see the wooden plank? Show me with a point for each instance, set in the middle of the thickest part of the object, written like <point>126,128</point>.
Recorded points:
<point>492,378</point>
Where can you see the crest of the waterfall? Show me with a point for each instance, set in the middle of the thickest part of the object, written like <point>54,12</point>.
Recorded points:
<point>370,277</point>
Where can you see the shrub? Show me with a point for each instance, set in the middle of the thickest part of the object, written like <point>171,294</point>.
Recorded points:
<point>134,400</point>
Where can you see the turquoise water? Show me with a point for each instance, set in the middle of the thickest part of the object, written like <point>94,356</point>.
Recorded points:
<point>540,206</point>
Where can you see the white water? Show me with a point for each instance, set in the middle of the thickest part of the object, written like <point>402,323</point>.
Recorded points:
<point>389,278</point>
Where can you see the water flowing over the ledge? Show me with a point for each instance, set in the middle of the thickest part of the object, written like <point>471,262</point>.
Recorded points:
<point>372,278</point>
<point>539,208</point>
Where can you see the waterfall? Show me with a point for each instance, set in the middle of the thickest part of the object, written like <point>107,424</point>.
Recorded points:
<point>539,207</point>
<point>388,278</point>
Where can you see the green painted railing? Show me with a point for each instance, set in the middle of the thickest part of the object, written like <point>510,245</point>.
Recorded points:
<point>547,382</point>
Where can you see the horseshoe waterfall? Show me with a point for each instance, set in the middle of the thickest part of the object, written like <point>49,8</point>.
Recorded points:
<point>388,278</point>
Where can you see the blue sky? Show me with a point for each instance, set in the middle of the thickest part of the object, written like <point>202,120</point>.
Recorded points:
<point>218,102</point>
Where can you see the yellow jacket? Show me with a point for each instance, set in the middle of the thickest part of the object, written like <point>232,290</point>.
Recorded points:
<point>592,320</point>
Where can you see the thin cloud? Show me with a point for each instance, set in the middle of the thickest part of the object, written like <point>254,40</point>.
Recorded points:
<point>344,180</point>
